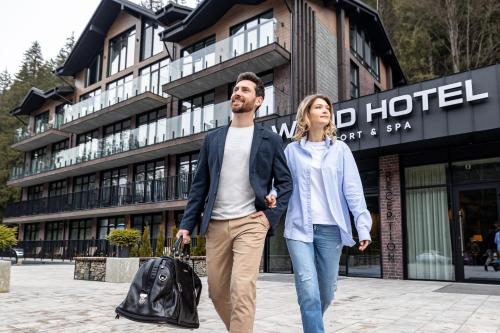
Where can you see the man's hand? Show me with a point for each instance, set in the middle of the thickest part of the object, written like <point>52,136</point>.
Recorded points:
<point>263,216</point>
<point>363,245</point>
<point>186,239</point>
<point>271,201</point>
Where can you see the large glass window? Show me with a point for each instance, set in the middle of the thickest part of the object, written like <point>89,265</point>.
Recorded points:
<point>429,251</point>
<point>474,171</point>
<point>84,194</point>
<point>31,231</point>
<point>41,122</point>
<point>252,34</point>
<point>153,221</point>
<point>149,181</point>
<point>151,127</point>
<point>151,43</point>
<point>57,188</point>
<point>38,159</point>
<point>154,77</point>
<point>114,187</point>
<point>35,192</point>
<point>107,224</point>
<point>362,47</point>
<point>120,90</point>
<point>197,112</point>
<point>121,52</point>
<point>116,138</point>
<point>186,167</point>
<point>54,231</point>
<point>60,109</point>
<point>194,59</point>
<point>80,230</point>
<point>93,103</point>
<point>93,73</point>
<point>88,145</point>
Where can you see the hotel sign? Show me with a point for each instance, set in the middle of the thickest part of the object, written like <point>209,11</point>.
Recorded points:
<point>451,105</point>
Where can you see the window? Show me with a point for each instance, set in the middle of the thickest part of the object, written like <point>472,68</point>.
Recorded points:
<point>121,52</point>
<point>88,145</point>
<point>354,81</point>
<point>107,224</point>
<point>186,167</point>
<point>80,230</point>
<point>114,187</point>
<point>151,127</point>
<point>38,159</point>
<point>120,90</point>
<point>93,103</point>
<point>151,43</point>
<point>41,122</point>
<point>149,181</point>
<point>57,188</point>
<point>429,250</point>
<point>362,47</point>
<point>154,77</point>
<point>194,59</point>
<point>60,146</point>
<point>35,192</point>
<point>116,138</point>
<point>93,73</point>
<point>90,95</point>
<point>252,34</point>
<point>31,231</point>
<point>60,109</point>
<point>58,152</point>
<point>153,221</point>
<point>84,193</point>
<point>54,231</point>
<point>198,113</point>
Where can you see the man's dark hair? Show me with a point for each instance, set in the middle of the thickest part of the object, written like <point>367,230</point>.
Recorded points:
<point>250,76</point>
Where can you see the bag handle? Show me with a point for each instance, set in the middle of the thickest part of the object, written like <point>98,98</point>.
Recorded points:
<point>181,250</point>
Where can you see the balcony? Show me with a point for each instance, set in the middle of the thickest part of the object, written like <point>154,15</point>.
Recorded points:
<point>165,137</point>
<point>135,197</point>
<point>120,102</point>
<point>44,135</point>
<point>257,49</point>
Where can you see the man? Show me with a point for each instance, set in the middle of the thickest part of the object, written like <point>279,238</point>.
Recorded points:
<point>236,168</point>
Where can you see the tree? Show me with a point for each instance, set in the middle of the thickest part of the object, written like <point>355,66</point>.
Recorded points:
<point>160,241</point>
<point>145,249</point>
<point>64,52</point>
<point>7,237</point>
<point>5,81</point>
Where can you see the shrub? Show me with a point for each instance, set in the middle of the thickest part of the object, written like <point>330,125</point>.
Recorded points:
<point>200,248</point>
<point>123,237</point>
<point>160,242</point>
<point>7,237</point>
<point>145,249</point>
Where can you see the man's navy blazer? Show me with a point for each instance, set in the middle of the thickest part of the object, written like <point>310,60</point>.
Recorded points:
<point>267,163</point>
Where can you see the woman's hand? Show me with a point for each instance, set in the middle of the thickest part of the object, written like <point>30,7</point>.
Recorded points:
<point>271,201</point>
<point>363,245</point>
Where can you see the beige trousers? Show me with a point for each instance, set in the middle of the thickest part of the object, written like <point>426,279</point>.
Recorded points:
<point>234,251</point>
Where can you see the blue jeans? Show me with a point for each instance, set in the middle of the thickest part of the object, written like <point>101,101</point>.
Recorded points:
<point>316,268</point>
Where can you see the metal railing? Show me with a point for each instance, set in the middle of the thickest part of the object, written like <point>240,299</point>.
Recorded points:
<point>149,191</point>
<point>24,133</point>
<point>199,120</point>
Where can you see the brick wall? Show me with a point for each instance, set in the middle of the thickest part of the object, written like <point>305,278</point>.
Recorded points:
<point>391,217</point>
<point>326,62</point>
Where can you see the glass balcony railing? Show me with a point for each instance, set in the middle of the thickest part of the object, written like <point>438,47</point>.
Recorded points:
<point>199,120</point>
<point>246,41</point>
<point>23,133</point>
<point>119,93</point>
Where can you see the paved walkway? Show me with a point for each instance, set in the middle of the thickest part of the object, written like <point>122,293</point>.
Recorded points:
<point>45,298</point>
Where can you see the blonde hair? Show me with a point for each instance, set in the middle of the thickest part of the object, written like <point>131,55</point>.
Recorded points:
<point>304,124</point>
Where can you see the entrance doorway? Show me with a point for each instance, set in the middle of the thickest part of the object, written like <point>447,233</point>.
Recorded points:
<point>477,220</point>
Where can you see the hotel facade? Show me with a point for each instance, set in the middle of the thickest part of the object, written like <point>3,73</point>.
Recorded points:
<point>119,147</point>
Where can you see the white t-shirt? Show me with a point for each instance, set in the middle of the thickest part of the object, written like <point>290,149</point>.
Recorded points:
<point>320,211</point>
<point>235,196</point>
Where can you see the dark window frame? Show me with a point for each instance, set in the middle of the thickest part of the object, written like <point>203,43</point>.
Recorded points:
<point>122,39</point>
<point>354,85</point>
<point>96,67</point>
<point>152,28</point>
<point>371,61</point>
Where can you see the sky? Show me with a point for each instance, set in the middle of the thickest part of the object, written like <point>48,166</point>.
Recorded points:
<point>49,22</point>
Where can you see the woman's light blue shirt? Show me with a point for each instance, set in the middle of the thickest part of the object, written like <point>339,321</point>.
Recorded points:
<point>343,189</point>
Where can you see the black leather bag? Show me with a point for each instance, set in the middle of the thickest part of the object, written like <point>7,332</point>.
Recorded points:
<point>165,290</point>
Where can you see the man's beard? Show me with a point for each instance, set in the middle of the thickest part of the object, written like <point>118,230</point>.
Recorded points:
<point>243,108</point>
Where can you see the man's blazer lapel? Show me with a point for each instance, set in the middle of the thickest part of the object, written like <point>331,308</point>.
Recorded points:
<point>221,142</point>
<point>258,135</point>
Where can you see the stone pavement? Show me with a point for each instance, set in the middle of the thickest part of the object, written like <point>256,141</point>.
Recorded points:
<point>45,298</point>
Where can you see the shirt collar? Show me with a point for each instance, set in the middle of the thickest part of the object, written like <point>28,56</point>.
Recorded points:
<point>328,142</point>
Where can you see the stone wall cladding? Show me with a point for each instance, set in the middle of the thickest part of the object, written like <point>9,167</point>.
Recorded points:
<point>90,269</point>
<point>391,225</point>
<point>326,62</point>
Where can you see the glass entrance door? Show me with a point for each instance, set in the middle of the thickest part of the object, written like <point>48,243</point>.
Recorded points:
<point>477,226</point>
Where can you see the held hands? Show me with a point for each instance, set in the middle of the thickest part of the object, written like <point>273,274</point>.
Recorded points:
<point>186,239</point>
<point>271,201</point>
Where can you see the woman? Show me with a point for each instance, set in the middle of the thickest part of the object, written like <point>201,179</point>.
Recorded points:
<point>326,185</point>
